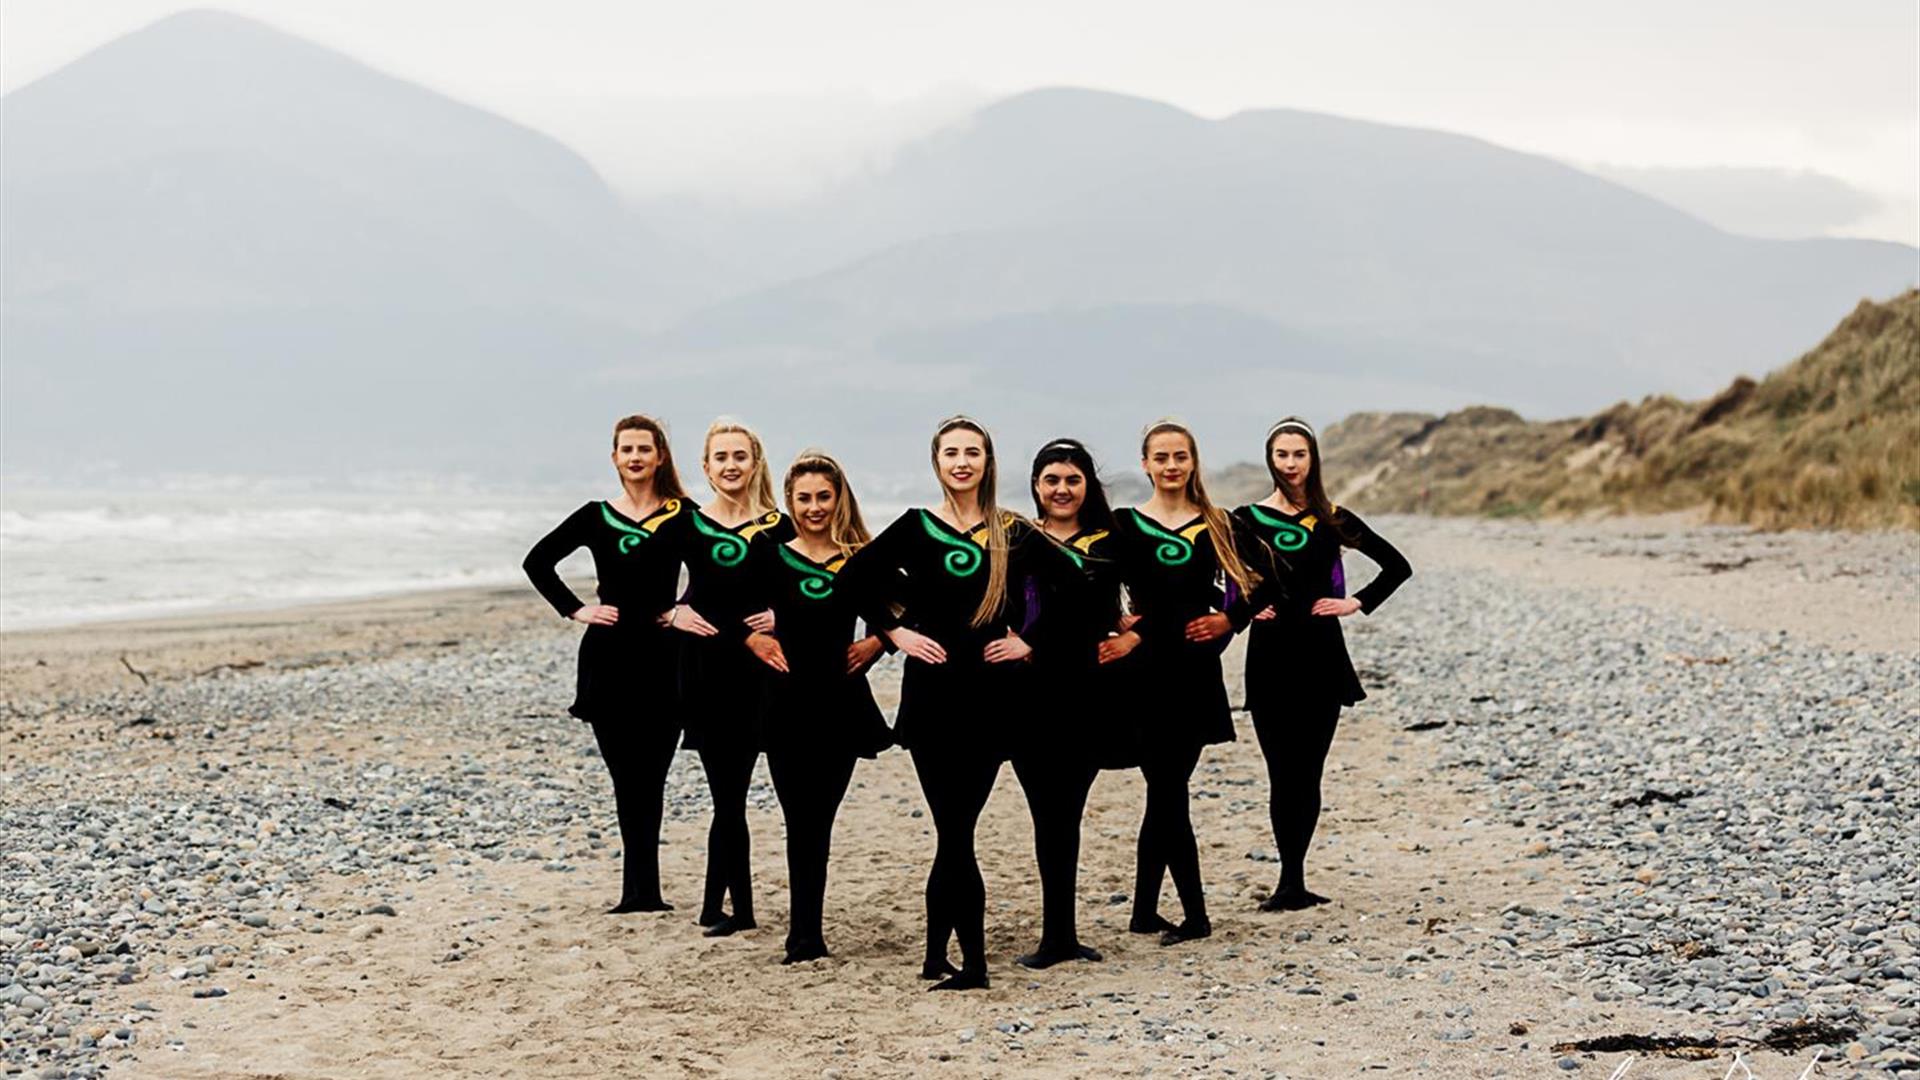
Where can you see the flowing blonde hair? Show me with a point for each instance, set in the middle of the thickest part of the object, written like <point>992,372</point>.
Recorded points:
<point>760,479</point>
<point>995,521</point>
<point>845,528</point>
<point>666,478</point>
<point>1219,528</point>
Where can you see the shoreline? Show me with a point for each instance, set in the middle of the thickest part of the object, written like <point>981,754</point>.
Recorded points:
<point>39,663</point>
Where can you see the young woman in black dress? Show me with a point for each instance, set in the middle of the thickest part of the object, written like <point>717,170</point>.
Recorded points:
<point>625,685</point>
<point>1062,750</point>
<point>820,716</point>
<point>720,684</point>
<point>957,572</point>
<point>1180,561</point>
<point>1298,672</point>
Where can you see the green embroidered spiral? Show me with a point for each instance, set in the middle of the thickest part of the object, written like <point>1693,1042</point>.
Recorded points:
<point>728,549</point>
<point>1172,550</point>
<point>963,560</point>
<point>632,536</point>
<point>815,583</point>
<point>1286,535</point>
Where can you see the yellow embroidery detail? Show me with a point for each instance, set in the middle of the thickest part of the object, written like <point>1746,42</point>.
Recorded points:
<point>1085,543</point>
<point>767,521</point>
<point>662,516</point>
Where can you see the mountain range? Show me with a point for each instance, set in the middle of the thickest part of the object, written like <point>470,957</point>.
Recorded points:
<point>238,251</point>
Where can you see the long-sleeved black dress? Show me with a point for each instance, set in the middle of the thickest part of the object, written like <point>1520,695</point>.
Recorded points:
<point>628,668</point>
<point>815,705</point>
<point>937,575</point>
<point>719,680</point>
<point>1298,654</point>
<point>1081,702</point>
<point>1172,691</point>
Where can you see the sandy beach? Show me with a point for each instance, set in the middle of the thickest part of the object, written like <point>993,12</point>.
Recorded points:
<point>1638,776</point>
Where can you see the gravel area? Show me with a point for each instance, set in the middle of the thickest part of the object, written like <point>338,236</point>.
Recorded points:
<point>1738,806</point>
<point>1562,811</point>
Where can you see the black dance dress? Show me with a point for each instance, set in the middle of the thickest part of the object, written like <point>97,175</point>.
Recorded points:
<point>937,575</point>
<point>1172,692</point>
<point>720,681</point>
<point>816,704</point>
<point>638,567</point>
<point>1299,654</point>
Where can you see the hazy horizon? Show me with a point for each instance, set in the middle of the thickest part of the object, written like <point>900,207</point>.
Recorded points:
<point>1687,105</point>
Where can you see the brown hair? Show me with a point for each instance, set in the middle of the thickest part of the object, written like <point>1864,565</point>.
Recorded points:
<point>666,479</point>
<point>996,523</point>
<point>1219,528</point>
<point>1314,493</point>
<point>846,529</point>
<point>760,479</point>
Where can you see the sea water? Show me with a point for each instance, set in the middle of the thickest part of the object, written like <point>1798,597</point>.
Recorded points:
<point>70,557</point>
<point>76,556</point>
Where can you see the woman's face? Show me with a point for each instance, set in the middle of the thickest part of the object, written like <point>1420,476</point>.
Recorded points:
<point>729,463</point>
<point>1062,490</point>
<point>960,458</point>
<point>811,501</point>
<point>1292,459</point>
<point>1169,461</point>
<point>635,456</point>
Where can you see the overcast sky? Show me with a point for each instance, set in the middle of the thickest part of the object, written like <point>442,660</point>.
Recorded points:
<point>1722,102</point>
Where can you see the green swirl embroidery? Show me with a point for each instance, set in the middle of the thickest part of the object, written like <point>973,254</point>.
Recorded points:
<point>633,535</point>
<point>1172,550</point>
<point>815,583</point>
<point>964,559</point>
<point>1286,535</point>
<point>728,549</point>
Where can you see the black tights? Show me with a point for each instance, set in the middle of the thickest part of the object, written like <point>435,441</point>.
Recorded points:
<point>637,757</point>
<point>1295,742</point>
<point>729,858</point>
<point>1056,782</point>
<point>810,785</point>
<point>956,783</point>
<point>1166,836</point>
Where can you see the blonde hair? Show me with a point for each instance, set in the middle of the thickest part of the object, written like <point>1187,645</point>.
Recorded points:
<point>995,521</point>
<point>666,478</point>
<point>1219,528</point>
<point>760,479</point>
<point>846,529</point>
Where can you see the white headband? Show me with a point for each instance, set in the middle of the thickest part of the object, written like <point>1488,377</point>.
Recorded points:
<point>1283,425</point>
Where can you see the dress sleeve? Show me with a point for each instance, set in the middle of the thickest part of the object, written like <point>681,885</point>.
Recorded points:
<point>872,576</point>
<point>566,538</point>
<point>1127,562</point>
<point>1394,568</point>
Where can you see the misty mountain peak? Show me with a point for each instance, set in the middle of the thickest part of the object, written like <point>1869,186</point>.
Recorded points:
<point>210,160</point>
